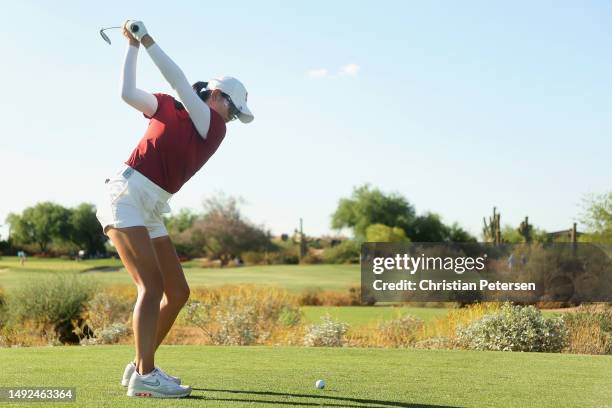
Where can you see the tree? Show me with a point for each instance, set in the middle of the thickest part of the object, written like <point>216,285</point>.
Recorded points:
<point>384,233</point>
<point>181,221</point>
<point>368,206</point>
<point>225,232</point>
<point>597,217</point>
<point>85,230</point>
<point>458,234</point>
<point>429,228</point>
<point>40,225</point>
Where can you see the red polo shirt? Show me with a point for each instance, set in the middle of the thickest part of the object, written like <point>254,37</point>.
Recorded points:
<point>171,150</point>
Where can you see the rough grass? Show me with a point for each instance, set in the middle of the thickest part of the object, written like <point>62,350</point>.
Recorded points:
<point>284,376</point>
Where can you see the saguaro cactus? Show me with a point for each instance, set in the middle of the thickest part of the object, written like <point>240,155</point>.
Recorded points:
<point>525,229</point>
<point>492,229</point>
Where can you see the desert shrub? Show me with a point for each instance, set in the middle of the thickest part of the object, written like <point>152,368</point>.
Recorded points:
<point>52,303</point>
<point>329,333</point>
<point>435,343</point>
<point>447,326</point>
<point>105,318</point>
<point>310,297</point>
<point>237,324</point>
<point>26,334</point>
<point>331,298</point>
<point>589,330</point>
<point>111,334</point>
<point>5,336</point>
<point>105,308</point>
<point>289,317</point>
<point>254,258</point>
<point>317,297</point>
<point>241,315</point>
<point>436,305</point>
<point>355,297</point>
<point>514,328</point>
<point>3,311</point>
<point>354,293</point>
<point>197,313</point>
<point>287,255</point>
<point>312,258</point>
<point>401,331</point>
<point>346,252</point>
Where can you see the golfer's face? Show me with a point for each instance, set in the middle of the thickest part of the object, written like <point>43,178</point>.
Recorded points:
<point>221,106</point>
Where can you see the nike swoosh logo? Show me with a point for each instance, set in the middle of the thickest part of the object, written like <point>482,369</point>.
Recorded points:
<point>155,384</point>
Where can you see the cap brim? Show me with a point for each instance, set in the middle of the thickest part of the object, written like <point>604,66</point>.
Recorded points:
<point>245,115</point>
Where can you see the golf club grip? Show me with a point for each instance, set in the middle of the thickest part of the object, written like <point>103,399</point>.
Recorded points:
<point>134,27</point>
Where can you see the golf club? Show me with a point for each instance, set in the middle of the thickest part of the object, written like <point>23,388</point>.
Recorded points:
<point>133,28</point>
<point>104,36</point>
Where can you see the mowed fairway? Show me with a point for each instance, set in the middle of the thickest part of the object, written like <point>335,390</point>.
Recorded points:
<point>285,376</point>
<point>294,278</point>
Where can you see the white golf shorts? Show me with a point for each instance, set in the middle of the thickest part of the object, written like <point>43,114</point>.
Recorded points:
<point>133,200</point>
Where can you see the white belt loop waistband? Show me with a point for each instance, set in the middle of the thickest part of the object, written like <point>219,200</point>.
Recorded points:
<point>130,173</point>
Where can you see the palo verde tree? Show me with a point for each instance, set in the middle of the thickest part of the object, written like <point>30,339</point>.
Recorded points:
<point>597,217</point>
<point>368,206</point>
<point>383,233</point>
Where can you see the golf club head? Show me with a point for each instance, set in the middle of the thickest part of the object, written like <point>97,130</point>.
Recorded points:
<point>104,36</point>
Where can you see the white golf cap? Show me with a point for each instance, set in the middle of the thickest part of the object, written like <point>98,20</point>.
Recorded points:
<point>234,88</point>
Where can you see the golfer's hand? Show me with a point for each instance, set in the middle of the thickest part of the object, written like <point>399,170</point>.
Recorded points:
<point>127,34</point>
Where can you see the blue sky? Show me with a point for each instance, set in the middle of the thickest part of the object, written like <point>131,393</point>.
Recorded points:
<point>459,106</point>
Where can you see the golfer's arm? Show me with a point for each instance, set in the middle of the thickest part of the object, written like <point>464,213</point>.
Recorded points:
<point>199,112</point>
<point>137,98</point>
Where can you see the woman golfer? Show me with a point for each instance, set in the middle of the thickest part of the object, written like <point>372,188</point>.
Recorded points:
<point>180,138</point>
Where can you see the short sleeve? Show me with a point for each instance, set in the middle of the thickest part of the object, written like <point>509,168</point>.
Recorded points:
<point>217,125</point>
<point>162,100</point>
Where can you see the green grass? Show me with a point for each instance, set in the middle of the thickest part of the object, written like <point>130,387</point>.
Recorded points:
<point>364,315</point>
<point>294,278</point>
<point>284,376</point>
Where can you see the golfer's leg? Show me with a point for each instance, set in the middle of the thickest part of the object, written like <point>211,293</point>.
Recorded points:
<point>138,256</point>
<point>176,290</point>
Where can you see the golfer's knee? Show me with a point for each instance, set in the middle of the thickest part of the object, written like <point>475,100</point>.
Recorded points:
<point>177,297</point>
<point>150,293</point>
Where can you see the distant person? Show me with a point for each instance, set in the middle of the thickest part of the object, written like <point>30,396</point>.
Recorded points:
<point>22,257</point>
<point>179,140</point>
<point>81,254</point>
<point>511,262</point>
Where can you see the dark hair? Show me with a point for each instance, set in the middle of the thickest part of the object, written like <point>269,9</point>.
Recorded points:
<point>200,89</point>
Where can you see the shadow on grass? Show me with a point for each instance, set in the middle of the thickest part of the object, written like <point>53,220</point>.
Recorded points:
<point>349,401</point>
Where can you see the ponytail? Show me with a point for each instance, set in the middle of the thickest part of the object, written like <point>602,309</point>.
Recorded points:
<point>200,89</point>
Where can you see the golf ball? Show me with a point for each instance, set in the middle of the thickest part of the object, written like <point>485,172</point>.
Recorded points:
<point>320,384</point>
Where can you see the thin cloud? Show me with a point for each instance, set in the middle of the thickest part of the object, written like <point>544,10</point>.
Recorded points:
<point>317,73</point>
<point>350,69</point>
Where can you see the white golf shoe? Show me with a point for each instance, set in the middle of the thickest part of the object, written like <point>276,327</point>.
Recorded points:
<point>155,385</point>
<point>131,367</point>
